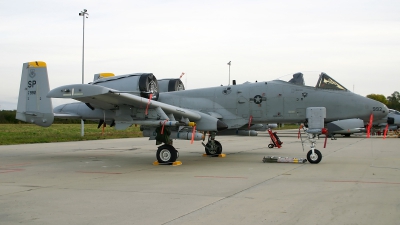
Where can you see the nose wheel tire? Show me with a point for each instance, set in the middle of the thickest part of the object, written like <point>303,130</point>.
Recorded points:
<point>213,149</point>
<point>166,154</point>
<point>314,158</point>
<point>270,146</point>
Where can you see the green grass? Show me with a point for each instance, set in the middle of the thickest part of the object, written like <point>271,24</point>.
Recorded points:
<point>11,134</point>
<point>29,133</point>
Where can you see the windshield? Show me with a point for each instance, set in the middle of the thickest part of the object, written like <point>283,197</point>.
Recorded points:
<point>327,82</point>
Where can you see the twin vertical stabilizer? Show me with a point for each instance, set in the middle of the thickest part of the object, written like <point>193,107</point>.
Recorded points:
<point>33,105</point>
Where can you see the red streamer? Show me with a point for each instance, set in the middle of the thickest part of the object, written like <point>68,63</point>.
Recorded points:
<point>147,107</point>
<point>194,130</point>
<point>385,131</point>
<point>250,119</point>
<point>371,119</point>
<point>298,134</point>
<point>162,129</point>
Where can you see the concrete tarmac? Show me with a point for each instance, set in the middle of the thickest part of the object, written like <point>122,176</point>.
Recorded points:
<point>114,182</point>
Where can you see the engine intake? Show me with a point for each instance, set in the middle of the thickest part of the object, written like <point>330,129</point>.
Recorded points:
<point>169,85</point>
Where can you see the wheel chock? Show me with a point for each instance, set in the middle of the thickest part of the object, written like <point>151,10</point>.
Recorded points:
<point>176,163</point>
<point>277,159</point>
<point>216,155</point>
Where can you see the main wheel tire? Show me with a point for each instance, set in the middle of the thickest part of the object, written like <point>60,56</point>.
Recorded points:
<point>316,158</point>
<point>270,146</point>
<point>216,149</point>
<point>148,84</point>
<point>166,154</point>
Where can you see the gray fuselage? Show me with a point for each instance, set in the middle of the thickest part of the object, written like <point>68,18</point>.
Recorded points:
<point>274,102</point>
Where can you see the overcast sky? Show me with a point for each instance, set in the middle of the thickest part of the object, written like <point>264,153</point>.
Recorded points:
<point>355,42</point>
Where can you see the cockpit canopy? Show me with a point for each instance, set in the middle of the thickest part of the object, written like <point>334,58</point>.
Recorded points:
<point>324,82</point>
<point>297,79</point>
<point>327,82</point>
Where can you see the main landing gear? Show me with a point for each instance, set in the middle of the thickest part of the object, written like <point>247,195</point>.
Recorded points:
<point>213,147</point>
<point>167,154</point>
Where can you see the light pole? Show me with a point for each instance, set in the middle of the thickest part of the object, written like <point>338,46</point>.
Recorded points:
<point>229,81</point>
<point>84,14</point>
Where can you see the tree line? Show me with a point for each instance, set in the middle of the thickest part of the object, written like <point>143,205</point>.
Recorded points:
<point>392,101</point>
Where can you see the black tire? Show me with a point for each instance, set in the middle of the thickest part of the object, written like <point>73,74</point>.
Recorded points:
<point>166,154</point>
<point>271,145</point>
<point>215,150</point>
<point>316,159</point>
<point>148,83</point>
<point>175,85</point>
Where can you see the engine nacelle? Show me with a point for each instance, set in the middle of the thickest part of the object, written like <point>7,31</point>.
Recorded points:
<point>169,85</point>
<point>141,84</point>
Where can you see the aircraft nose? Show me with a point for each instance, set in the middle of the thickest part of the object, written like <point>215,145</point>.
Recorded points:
<point>376,108</point>
<point>221,125</point>
<point>383,113</point>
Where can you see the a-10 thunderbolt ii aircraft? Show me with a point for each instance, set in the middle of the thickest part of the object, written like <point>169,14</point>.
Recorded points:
<point>140,99</point>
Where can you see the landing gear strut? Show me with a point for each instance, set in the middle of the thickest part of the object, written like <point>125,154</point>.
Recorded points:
<point>213,147</point>
<point>314,156</point>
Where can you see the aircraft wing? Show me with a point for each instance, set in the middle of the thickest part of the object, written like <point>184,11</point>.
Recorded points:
<point>107,98</point>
